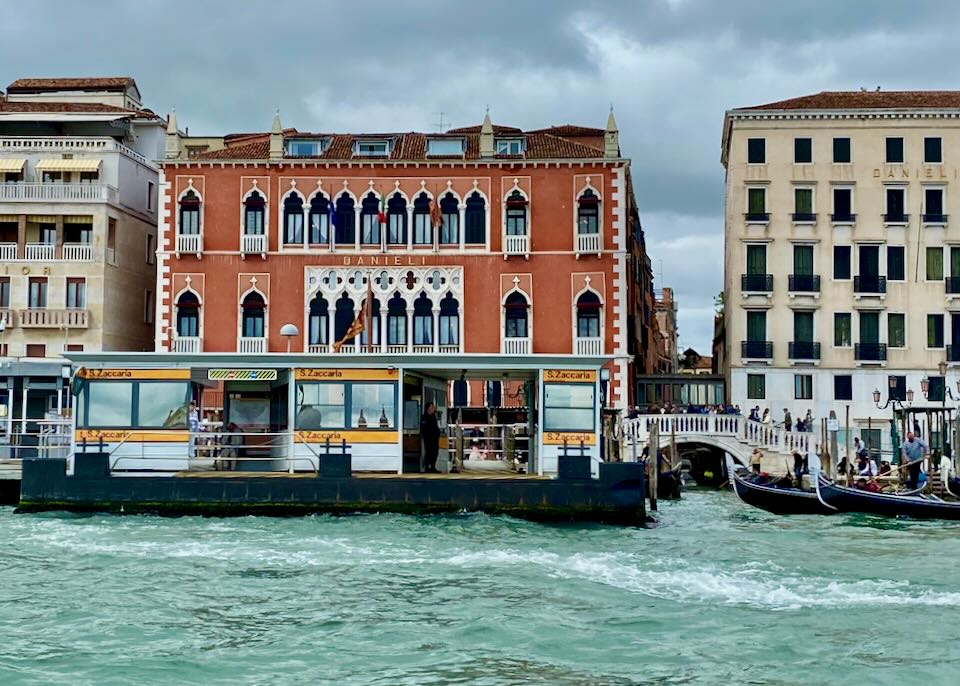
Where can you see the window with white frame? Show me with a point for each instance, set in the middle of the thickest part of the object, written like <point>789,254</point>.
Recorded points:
<point>190,214</point>
<point>449,320</point>
<point>445,146</point>
<point>371,148</point>
<point>516,312</point>
<point>516,214</point>
<point>422,224</point>
<point>588,213</point>
<point>588,315</point>
<point>293,219</point>
<point>509,146</point>
<point>253,214</point>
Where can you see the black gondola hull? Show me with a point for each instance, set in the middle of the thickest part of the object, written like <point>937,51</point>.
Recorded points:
<point>886,505</point>
<point>781,501</point>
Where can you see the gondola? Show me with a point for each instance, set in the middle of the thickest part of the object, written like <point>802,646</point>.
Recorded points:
<point>781,501</point>
<point>953,487</point>
<point>845,499</point>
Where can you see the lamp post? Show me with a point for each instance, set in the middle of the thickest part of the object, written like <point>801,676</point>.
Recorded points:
<point>927,388</point>
<point>894,404</point>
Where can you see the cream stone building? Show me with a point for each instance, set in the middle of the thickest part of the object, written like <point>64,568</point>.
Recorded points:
<point>78,216</point>
<point>842,254</point>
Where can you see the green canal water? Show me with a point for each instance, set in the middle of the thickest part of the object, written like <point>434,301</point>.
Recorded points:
<point>717,594</point>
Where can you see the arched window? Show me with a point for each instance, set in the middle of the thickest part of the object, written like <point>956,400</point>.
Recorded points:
<point>516,214</point>
<point>396,321</point>
<point>253,211</point>
<point>190,214</point>
<point>494,393</point>
<point>188,315</point>
<point>515,315</point>
<point>450,224</point>
<point>344,231</point>
<point>588,315</point>
<point>253,315</point>
<point>374,323</point>
<point>475,219</point>
<point>293,219</point>
<point>460,393</point>
<point>422,229</point>
<point>396,219</point>
<point>422,321</point>
<point>342,318</point>
<point>449,320</point>
<point>370,220</point>
<point>588,213</point>
<point>319,220</point>
<point>318,325</point>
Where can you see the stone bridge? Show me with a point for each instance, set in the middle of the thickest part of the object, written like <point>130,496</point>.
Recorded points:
<point>734,434</point>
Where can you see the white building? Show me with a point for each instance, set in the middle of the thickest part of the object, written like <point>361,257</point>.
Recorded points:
<point>78,199</point>
<point>842,257</point>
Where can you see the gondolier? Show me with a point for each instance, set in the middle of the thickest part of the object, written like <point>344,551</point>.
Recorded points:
<point>913,451</point>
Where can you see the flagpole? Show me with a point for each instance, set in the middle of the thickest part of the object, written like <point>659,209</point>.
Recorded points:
<point>369,312</point>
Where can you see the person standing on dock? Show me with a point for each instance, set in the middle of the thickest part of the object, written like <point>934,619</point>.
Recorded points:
<point>193,423</point>
<point>913,451</point>
<point>430,435</point>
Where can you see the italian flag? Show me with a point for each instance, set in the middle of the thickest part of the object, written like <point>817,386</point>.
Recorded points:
<point>382,214</point>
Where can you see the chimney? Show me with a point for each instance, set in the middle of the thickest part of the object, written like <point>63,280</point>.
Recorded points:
<point>611,137</point>
<point>171,145</point>
<point>486,136</point>
<point>276,138</point>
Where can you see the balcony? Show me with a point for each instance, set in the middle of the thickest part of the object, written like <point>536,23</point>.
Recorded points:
<point>588,243</point>
<point>589,346</point>
<point>953,353</point>
<point>896,218</point>
<point>804,217</point>
<point>56,191</point>
<point>843,218</point>
<point>756,217</point>
<point>8,252</point>
<point>190,243</point>
<point>69,144</point>
<point>869,284</point>
<point>934,219</point>
<point>449,349</point>
<point>516,346</point>
<point>804,350</point>
<point>953,285</point>
<point>756,283</point>
<point>42,318</point>
<point>516,245</point>
<point>252,345</point>
<point>318,349</point>
<point>187,344</point>
<point>6,318</point>
<point>756,350</point>
<point>804,283</point>
<point>39,251</point>
<point>870,352</point>
<point>250,244</point>
<point>77,252</point>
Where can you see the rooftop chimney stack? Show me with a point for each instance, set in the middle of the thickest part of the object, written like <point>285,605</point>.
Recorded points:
<point>276,138</point>
<point>486,136</point>
<point>611,137</point>
<point>171,145</point>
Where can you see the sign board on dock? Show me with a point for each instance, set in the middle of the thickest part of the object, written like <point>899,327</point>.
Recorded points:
<point>242,374</point>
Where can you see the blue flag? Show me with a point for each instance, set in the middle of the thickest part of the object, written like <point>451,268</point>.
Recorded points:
<point>332,213</point>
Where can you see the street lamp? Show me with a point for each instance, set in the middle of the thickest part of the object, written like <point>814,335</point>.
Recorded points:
<point>894,403</point>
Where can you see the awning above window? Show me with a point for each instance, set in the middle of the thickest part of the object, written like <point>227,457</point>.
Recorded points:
<point>8,166</point>
<point>86,165</point>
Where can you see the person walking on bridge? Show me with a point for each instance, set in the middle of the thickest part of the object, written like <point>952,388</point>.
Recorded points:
<point>787,420</point>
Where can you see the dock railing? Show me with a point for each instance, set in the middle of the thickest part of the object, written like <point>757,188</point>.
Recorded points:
<point>39,438</point>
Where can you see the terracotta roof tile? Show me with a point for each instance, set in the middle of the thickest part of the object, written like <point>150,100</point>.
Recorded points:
<point>571,130</point>
<point>110,83</point>
<point>79,107</point>
<point>866,100</point>
<point>257,150</point>
<point>497,128</point>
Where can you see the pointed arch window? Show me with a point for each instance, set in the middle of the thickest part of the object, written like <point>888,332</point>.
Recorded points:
<point>254,209</point>
<point>374,324</point>
<point>188,315</point>
<point>516,311</point>
<point>588,315</point>
<point>318,329</point>
<point>396,321</point>
<point>343,317</point>
<point>254,316</point>
<point>345,229</point>
<point>190,214</point>
<point>449,320</point>
<point>475,218</point>
<point>422,321</point>
<point>588,213</point>
<point>516,214</point>
<point>319,220</point>
<point>450,224</point>
<point>422,229</point>
<point>370,220</point>
<point>396,220</point>
<point>293,219</point>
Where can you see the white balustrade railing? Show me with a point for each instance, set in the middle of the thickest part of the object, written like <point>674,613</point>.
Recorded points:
<point>516,245</point>
<point>449,349</point>
<point>589,346</point>
<point>318,348</point>
<point>6,318</point>
<point>251,345</point>
<point>39,251</point>
<point>43,192</point>
<point>394,349</point>
<point>190,242</point>
<point>187,344</point>
<point>253,243</point>
<point>78,252</point>
<point>8,251</point>
<point>42,318</point>
<point>516,346</point>
<point>588,242</point>
<point>423,349</point>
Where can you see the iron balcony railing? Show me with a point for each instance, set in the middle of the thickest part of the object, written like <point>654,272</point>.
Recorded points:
<point>843,218</point>
<point>804,283</point>
<point>756,283</point>
<point>757,216</point>
<point>870,352</point>
<point>757,350</point>
<point>869,283</point>
<point>804,216</point>
<point>896,218</point>
<point>934,219</point>
<point>804,350</point>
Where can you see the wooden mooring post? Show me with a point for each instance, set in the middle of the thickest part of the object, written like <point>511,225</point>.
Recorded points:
<point>653,469</point>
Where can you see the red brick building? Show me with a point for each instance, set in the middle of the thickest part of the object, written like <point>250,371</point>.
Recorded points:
<point>483,239</point>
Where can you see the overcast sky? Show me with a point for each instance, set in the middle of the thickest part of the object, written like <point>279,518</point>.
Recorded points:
<point>670,68</point>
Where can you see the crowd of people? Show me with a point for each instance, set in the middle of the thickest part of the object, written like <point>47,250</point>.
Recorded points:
<point>802,424</point>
